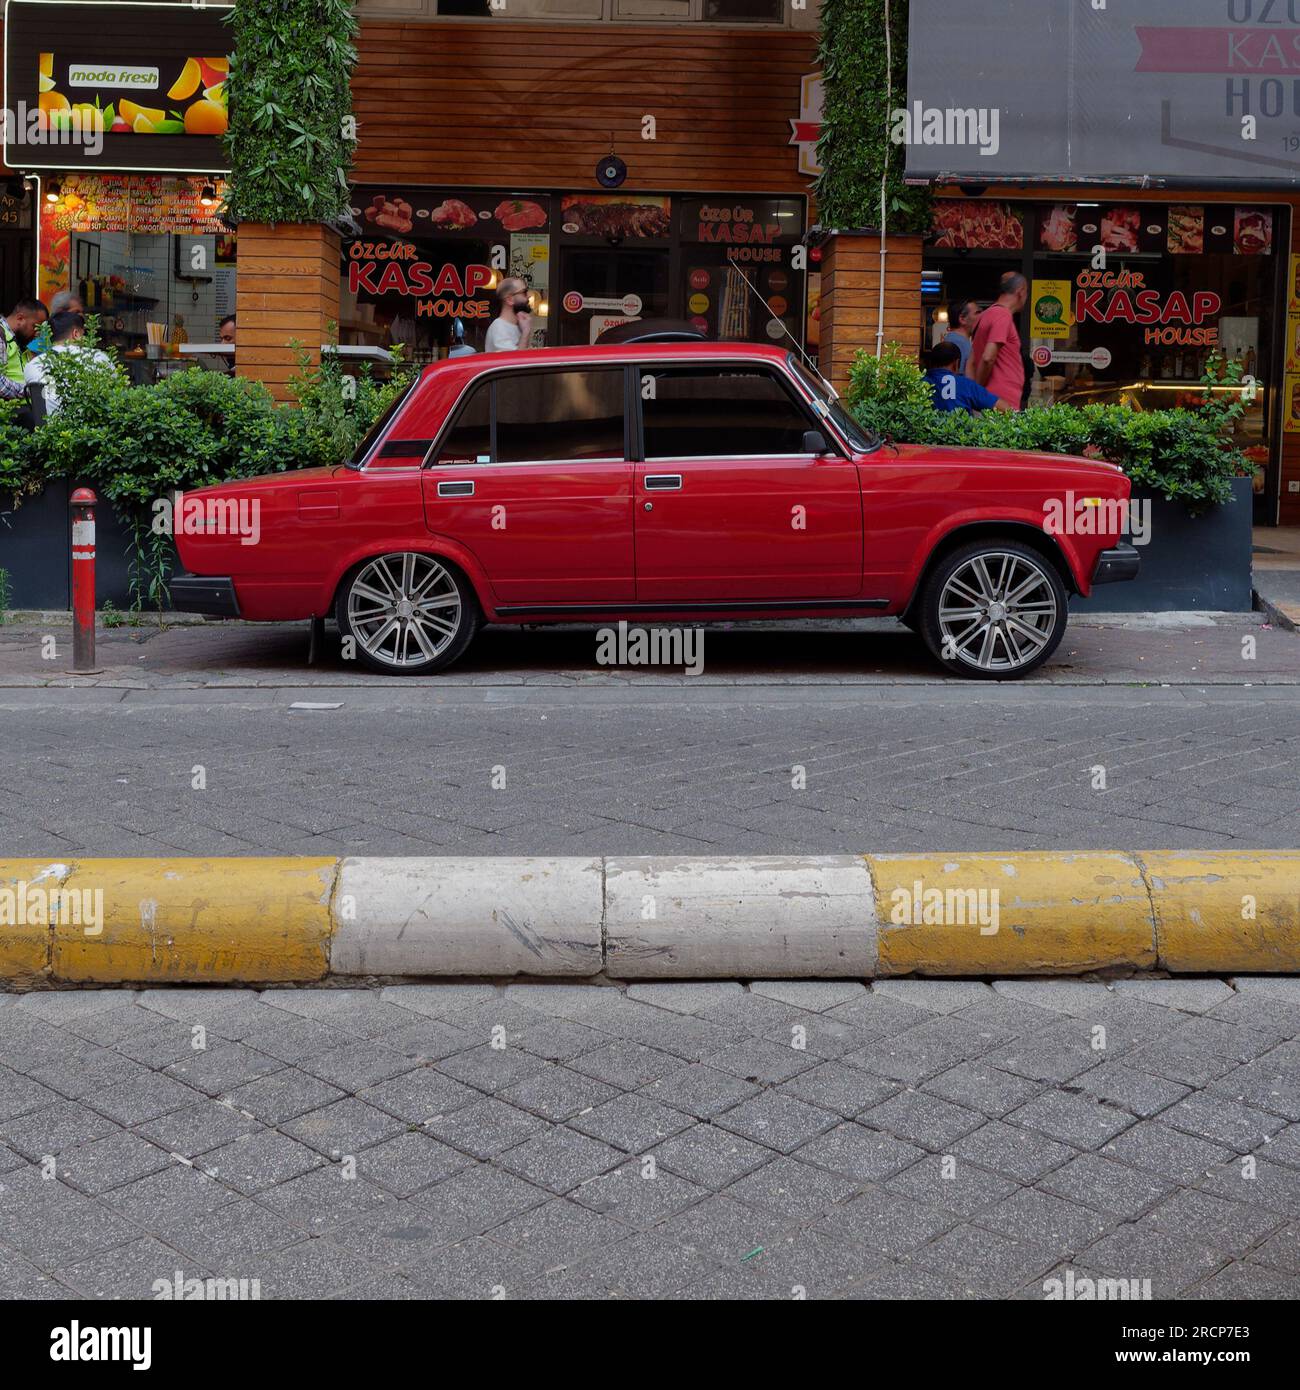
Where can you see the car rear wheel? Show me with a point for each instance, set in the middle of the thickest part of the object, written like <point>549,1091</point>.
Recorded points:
<point>408,614</point>
<point>994,610</point>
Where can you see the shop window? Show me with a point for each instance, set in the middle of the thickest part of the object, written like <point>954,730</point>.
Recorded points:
<point>559,416</point>
<point>719,413</point>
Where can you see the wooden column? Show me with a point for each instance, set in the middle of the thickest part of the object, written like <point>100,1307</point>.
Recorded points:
<point>287,288</point>
<point>850,303</point>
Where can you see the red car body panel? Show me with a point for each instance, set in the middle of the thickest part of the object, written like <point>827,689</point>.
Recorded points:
<point>769,536</point>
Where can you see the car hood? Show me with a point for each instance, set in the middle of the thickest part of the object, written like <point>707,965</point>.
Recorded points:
<point>1003,458</point>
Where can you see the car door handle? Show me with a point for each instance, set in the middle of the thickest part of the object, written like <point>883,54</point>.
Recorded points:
<point>457,489</point>
<point>663,482</point>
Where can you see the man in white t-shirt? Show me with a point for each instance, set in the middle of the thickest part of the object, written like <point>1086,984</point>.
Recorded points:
<point>67,329</point>
<point>511,329</point>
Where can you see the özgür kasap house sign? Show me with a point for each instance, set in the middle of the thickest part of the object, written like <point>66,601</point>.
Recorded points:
<point>1177,91</point>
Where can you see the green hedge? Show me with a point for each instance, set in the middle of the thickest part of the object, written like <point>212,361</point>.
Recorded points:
<point>854,147</point>
<point>292,131</point>
<point>1185,455</point>
<point>135,444</point>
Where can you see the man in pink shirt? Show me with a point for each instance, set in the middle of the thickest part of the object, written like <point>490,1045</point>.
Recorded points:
<point>995,360</point>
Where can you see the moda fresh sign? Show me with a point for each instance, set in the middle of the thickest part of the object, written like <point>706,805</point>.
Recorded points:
<point>96,75</point>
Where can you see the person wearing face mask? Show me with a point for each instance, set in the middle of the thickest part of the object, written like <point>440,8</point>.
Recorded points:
<point>511,329</point>
<point>17,329</point>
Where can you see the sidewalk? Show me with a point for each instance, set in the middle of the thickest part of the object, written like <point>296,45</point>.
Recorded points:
<point>1120,649</point>
<point>1277,569</point>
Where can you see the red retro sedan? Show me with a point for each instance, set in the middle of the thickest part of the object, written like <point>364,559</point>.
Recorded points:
<point>663,483</point>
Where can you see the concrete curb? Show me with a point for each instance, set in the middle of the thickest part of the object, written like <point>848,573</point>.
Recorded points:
<point>872,916</point>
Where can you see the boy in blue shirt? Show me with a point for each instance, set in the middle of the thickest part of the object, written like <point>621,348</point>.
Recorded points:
<point>953,391</point>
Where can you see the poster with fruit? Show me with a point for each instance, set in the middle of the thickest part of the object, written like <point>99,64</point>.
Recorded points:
<point>95,100</point>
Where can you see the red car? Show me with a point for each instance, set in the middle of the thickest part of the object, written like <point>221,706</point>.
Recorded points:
<point>660,482</point>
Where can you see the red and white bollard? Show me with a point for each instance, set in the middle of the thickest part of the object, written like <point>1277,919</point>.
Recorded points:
<point>82,503</point>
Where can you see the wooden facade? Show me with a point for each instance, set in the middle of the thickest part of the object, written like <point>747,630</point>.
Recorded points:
<point>500,104</point>
<point>850,304</point>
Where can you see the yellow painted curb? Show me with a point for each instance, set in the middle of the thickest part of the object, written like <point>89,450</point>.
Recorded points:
<point>1024,913</point>
<point>208,921</point>
<point>28,894</point>
<point>1235,911</point>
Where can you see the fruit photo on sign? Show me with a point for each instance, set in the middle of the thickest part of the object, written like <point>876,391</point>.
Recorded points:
<point>202,83</point>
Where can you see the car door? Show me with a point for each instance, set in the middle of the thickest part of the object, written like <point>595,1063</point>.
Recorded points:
<point>731,505</point>
<point>532,474</point>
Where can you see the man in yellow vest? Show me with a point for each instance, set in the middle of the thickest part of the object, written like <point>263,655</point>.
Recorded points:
<point>17,328</point>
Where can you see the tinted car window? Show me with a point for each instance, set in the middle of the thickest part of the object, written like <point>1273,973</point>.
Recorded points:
<point>469,438</point>
<point>702,412</point>
<point>559,416</point>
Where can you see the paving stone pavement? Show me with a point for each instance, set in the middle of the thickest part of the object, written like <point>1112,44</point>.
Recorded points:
<point>915,1139</point>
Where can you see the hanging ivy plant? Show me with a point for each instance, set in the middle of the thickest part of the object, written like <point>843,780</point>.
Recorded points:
<point>292,132</point>
<point>854,148</point>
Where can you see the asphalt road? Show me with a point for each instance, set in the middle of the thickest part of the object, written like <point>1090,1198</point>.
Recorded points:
<point>640,767</point>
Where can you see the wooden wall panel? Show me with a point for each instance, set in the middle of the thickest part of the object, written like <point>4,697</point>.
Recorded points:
<point>287,288</point>
<point>534,107</point>
<point>850,305</point>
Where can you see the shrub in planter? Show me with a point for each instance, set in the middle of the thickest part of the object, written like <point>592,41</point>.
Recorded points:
<point>1183,455</point>
<point>136,444</point>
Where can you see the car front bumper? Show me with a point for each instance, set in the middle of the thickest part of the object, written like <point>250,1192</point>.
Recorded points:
<point>197,593</point>
<point>1123,562</point>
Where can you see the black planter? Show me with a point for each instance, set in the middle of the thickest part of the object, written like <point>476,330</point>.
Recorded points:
<point>36,549</point>
<point>1190,562</point>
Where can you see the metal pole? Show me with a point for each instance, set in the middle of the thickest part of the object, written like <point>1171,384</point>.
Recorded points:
<point>82,503</point>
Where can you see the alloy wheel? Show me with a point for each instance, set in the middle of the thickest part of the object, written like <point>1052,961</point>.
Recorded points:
<point>997,612</point>
<point>404,610</point>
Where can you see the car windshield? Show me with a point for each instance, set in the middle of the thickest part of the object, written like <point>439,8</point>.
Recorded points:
<point>828,405</point>
<point>372,436</point>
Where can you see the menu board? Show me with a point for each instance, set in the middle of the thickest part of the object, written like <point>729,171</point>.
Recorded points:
<point>147,204</point>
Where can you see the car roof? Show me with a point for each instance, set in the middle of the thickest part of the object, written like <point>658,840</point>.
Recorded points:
<point>648,330</point>
<point>609,354</point>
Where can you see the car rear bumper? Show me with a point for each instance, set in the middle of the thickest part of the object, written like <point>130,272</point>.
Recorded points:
<point>197,593</point>
<point>1123,562</point>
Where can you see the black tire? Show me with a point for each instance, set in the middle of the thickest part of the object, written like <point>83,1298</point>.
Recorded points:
<point>392,611</point>
<point>993,642</point>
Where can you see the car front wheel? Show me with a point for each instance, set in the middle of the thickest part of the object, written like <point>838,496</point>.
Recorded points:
<point>407,614</point>
<point>994,610</point>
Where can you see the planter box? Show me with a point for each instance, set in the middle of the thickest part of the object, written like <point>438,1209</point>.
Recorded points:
<point>1191,562</point>
<point>36,549</point>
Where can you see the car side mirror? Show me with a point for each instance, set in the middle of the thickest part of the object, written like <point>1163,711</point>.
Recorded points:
<point>814,442</point>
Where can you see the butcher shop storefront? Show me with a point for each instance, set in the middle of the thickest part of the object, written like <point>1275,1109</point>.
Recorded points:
<point>423,268</point>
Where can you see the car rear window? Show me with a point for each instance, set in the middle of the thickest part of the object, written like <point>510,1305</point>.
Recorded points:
<point>558,416</point>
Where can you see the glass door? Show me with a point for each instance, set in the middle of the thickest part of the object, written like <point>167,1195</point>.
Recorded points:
<point>603,286</point>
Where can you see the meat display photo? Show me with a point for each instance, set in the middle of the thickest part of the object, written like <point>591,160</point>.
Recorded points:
<point>1059,230</point>
<point>1186,231</point>
<point>1121,229</point>
<point>453,216</point>
<point>1252,232</point>
<point>977,225</point>
<point>518,214</point>
<point>592,215</point>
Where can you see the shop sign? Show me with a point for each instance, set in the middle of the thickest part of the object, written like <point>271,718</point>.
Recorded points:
<point>130,86</point>
<point>1098,358</point>
<point>380,268</point>
<point>1196,90</point>
<point>629,305</point>
<point>1051,308</point>
<point>805,131</point>
<point>624,216</point>
<point>1122,296</point>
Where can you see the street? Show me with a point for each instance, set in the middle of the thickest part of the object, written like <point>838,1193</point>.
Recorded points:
<point>191,742</point>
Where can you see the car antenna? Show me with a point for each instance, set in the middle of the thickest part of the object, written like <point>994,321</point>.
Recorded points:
<point>808,361</point>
